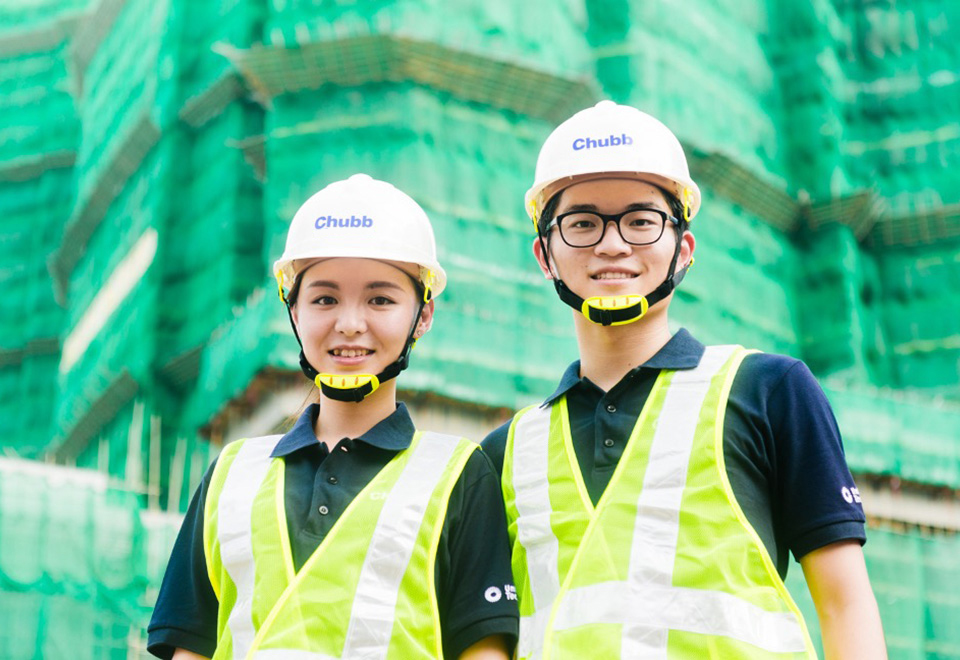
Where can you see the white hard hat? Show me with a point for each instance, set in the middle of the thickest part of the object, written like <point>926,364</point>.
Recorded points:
<point>611,140</point>
<point>364,218</point>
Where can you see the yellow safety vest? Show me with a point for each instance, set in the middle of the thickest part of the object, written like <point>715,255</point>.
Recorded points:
<point>367,591</point>
<point>666,565</point>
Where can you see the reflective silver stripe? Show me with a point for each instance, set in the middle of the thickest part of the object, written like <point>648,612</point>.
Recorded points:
<point>534,530</point>
<point>388,555</point>
<point>653,609</point>
<point>533,630</point>
<point>234,509</point>
<point>290,654</point>
<point>657,526</point>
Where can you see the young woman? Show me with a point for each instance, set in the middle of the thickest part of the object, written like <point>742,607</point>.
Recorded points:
<point>353,535</point>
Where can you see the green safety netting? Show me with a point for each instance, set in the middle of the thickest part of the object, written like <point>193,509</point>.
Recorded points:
<point>805,46</point>
<point>206,27</point>
<point>894,433</point>
<point>110,332</point>
<point>546,36</point>
<point>921,314</point>
<point>735,245</point>
<point>40,16</point>
<point>32,214</point>
<point>653,59</point>
<point>123,105</point>
<point>39,135</point>
<point>80,564</point>
<point>214,237</point>
<point>259,332</point>
<point>915,580</point>
<point>38,111</point>
<point>837,291</point>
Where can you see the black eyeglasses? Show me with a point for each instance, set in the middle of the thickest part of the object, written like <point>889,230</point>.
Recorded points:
<point>636,227</point>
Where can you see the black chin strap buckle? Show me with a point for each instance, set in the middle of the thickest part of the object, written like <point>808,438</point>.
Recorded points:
<point>618,310</point>
<point>353,388</point>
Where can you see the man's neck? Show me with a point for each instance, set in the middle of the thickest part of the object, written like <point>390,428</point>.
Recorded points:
<point>607,354</point>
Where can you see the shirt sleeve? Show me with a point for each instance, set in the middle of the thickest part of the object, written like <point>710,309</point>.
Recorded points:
<point>475,590</point>
<point>495,446</point>
<point>816,500</point>
<point>185,615</point>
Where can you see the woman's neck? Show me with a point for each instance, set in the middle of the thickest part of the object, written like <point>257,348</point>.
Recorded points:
<point>345,419</point>
<point>608,353</point>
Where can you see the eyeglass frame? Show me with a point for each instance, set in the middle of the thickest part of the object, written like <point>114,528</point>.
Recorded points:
<point>614,218</point>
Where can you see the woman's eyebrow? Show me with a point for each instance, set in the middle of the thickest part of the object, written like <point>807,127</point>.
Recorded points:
<point>323,284</point>
<point>384,285</point>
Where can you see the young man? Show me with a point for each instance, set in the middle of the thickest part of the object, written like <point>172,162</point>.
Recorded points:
<point>653,498</point>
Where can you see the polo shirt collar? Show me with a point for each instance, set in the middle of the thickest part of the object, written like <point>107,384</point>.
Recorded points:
<point>681,352</point>
<point>393,433</point>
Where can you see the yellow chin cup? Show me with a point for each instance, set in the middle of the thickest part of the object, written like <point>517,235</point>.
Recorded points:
<point>359,384</point>
<point>631,307</point>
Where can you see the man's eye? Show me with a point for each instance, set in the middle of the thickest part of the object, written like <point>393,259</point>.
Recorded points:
<point>644,220</point>
<point>582,222</point>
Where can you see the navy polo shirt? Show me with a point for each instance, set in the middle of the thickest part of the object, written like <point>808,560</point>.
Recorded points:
<point>472,572</point>
<point>781,444</point>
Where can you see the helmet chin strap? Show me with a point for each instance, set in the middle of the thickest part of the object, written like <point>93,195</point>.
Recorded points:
<point>357,387</point>
<point>617,310</point>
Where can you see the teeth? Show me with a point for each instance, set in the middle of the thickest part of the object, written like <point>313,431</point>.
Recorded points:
<point>351,352</point>
<point>613,276</point>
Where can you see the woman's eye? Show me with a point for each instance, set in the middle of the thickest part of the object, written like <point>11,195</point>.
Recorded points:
<point>325,300</point>
<point>381,300</point>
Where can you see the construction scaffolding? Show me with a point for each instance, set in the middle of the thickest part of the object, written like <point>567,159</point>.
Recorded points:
<point>152,153</point>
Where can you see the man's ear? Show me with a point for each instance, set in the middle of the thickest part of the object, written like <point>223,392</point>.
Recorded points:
<point>538,246</point>
<point>687,246</point>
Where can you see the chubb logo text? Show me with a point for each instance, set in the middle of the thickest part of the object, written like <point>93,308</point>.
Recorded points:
<point>352,221</point>
<point>611,141</point>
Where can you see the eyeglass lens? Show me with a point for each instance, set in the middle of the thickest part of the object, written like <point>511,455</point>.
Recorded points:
<point>585,229</point>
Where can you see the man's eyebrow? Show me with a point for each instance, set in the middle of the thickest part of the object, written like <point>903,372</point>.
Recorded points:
<point>636,206</point>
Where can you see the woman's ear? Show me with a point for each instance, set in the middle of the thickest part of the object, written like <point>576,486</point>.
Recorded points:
<point>426,321</point>
<point>295,315</point>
